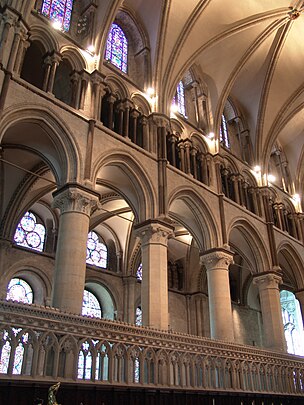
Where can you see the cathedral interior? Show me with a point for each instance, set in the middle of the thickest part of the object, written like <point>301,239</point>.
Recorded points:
<point>151,202</point>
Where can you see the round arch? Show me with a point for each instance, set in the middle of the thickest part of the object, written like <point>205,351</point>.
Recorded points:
<point>49,139</point>
<point>104,296</point>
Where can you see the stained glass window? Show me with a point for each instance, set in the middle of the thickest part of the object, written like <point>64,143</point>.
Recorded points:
<point>91,305</point>
<point>224,137</point>
<point>5,353</point>
<point>117,48</point>
<point>139,272</point>
<point>29,233</point>
<point>96,251</point>
<point>19,290</point>
<point>58,11</point>
<point>293,323</point>
<point>138,316</point>
<point>180,98</point>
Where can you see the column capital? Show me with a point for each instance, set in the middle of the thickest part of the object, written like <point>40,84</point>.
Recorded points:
<point>217,258</point>
<point>154,231</point>
<point>269,279</point>
<point>97,77</point>
<point>75,198</point>
<point>160,120</point>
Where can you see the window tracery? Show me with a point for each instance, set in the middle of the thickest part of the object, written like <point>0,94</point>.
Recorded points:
<point>91,305</point>
<point>58,11</point>
<point>29,233</point>
<point>97,253</point>
<point>20,291</point>
<point>117,48</point>
<point>138,316</point>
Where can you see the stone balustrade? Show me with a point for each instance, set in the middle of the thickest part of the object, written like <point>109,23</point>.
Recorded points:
<point>45,344</point>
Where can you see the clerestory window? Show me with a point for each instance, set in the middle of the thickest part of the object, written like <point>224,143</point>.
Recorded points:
<point>224,136</point>
<point>117,48</point>
<point>59,12</point>
<point>97,253</point>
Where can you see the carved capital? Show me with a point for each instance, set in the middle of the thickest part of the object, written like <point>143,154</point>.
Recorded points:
<point>217,259</point>
<point>154,231</point>
<point>74,198</point>
<point>268,280</point>
<point>160,120</point>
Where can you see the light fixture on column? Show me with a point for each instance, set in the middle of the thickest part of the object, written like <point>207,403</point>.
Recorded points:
<point>91,49</point>
<point>57,25</point>
<point>257,169</point>
<point>210,136</point>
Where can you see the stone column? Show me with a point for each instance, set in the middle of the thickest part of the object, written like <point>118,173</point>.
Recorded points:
<point>47,70</point>
<point>134,118</point>
<point>97,94</point>
<point>181,151</point>
<point>75,203</point>
<point>217,262</point>
<point>129,286</point>
<point>55,58</point>
<point>268,284</point>
<point>187,145</point>
<point>154,286</point>
<point>194,152</point>
<point>145,132</point>
<point>111,100</point>
<point>120,119</point>
<point>127,105</point>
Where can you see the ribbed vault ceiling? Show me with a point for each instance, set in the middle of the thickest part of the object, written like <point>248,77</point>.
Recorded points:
<point>251,51</point>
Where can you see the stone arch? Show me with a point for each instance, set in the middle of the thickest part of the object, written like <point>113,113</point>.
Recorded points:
<point>74,57</point>
<point>107,295</point>
<point>291,265</point>
<point>38,279</point>
<point>52,140</point>
<point>117,87</point>
<point>42,34</point>
<point>141,103</point>
<point>199,142</point>
<point>129,180</point>
<point>255,248</point>
<point>196,216</point>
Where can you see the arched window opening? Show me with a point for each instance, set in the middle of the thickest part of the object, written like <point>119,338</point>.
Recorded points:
<point>224,137</point>
<point>62,84</point>
<point>138,316</point>
<point>85,362</point>
<point>29,233</point>
<point>179,99</point>
<point>20,291</point>
<point>139,272</point>
<point>97,253</point>
<point>91,305</point>
<point>58,11</point>
<point>293,323</point>
<point>32,68</point>
<point>117,48</point>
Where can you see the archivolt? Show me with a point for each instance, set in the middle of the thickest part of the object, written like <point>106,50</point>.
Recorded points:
<point>66,162</point>
<point>144,203</point>
<point>200,222</point>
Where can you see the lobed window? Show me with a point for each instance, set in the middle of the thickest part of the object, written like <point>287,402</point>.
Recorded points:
<point>97,253</point>
<point>20,291</point>
<point>58,11</point>
<point>29,233</point>
<point>138,316</point>
<point>117,48</point>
